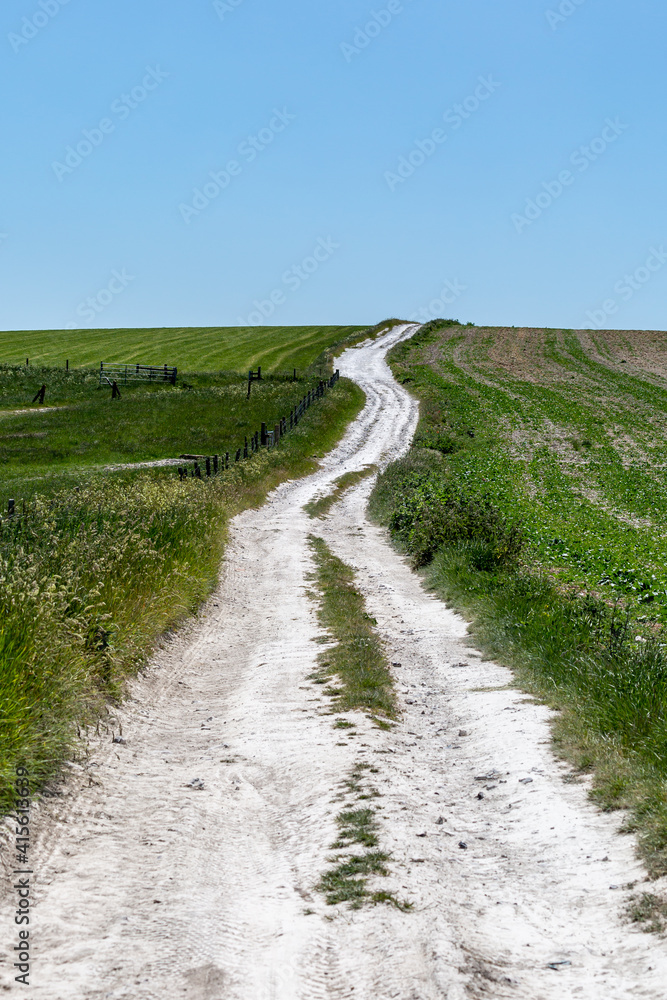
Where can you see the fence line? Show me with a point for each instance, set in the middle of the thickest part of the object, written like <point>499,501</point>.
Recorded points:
<point>263,438</point>
<point>137,373</point>
<point>211,465</point>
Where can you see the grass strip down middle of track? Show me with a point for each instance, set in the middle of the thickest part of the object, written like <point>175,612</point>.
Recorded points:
<point>357,658</point>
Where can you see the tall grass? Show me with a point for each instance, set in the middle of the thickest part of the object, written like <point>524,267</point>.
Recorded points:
<point>89,579</point>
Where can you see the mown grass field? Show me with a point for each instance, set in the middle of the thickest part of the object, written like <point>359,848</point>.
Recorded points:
<point>536,496</point>
<point>275,348</point>
<point>105,560</point>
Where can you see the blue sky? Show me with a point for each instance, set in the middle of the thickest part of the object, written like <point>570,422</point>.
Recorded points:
<point>191,162</point>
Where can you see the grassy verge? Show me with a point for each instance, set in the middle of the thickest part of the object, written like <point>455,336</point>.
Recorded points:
<point>357,659</point>
<point>321,507</point>
<point>533,497</point>
<point>93,576</point>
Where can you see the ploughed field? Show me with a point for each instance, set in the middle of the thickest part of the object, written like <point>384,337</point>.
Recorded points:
<point>536,493</point>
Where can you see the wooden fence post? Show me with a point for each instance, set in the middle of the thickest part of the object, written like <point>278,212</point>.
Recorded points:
<point>215,465</point>
<point>208,466</point>
<point>10,508</point>
<point>263,436</point>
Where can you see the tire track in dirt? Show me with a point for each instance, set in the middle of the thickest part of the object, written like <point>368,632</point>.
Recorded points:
<point>151,887</point>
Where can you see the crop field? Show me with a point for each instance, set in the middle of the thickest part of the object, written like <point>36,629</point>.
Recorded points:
<point>101,558</point>
<point>275,348</point>
<point>536,496</point>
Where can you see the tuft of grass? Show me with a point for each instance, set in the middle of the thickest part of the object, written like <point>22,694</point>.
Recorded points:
<point>357,659</point>
<point>346,881</point>
<point>322,506</point>
<point>358,826</point>
<point>650,911</point>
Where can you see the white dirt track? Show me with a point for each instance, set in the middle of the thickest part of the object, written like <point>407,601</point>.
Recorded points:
<point>149,889</point>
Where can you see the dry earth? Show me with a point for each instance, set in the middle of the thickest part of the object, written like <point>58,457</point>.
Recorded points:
<point>150,887</point>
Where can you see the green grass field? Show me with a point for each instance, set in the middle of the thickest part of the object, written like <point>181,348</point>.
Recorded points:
<point>536,495</point>
<point>275,348</point>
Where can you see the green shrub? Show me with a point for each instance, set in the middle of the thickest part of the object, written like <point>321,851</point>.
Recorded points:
<point>428,512</point>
